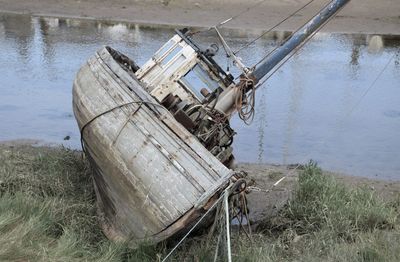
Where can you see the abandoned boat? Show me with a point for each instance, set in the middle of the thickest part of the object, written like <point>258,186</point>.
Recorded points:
<point>158,136</point>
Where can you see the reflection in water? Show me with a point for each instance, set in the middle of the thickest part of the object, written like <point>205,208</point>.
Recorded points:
<point>357,44</point>
<point>397,60</point>
<point>18,27</point>
<point>306,102</point>
<point>280,36</point>
<point>355,55</point>
<point>261,120</point>
<point>375,44</point>
<point>118,31</point>
<point>296,94</point>
<point>45,27</point>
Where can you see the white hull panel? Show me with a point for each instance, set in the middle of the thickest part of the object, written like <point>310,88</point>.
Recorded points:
<point>152,177</point>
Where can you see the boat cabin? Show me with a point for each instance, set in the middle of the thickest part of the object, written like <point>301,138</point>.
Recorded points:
<point>188,82</point>
<point>181,71</point>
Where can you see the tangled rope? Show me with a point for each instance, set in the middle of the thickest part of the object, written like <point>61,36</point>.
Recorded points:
<point>232,209</point>
<point>245,100</point>
<point>223,217</point>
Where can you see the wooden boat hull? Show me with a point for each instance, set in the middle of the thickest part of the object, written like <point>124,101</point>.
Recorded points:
<point>152,177</point>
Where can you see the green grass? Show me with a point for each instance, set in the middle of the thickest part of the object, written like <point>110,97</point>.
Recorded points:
<point>48,213</point>
<point>327,221</point>
<point>322,203</point>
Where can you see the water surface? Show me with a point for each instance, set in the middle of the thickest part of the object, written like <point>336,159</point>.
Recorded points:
<point>316,106</point>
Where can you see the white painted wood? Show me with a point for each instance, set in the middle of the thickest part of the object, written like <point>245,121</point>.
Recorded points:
<point>150,171</point>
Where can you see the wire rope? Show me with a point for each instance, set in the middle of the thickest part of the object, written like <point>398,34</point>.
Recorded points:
<point>273,27</point>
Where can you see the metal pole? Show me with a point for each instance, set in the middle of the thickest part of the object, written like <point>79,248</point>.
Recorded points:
<point>228,235</point>
<point>297,38</point>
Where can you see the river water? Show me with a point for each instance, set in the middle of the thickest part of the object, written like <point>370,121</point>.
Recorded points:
<point>321,104</point>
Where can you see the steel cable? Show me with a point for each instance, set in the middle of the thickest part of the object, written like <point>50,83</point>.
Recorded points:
<point>273,27</point>
<point>273,50</point>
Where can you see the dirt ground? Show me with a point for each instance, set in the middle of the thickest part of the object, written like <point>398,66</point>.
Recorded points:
<point>263,204</point>
<point>359,16</point>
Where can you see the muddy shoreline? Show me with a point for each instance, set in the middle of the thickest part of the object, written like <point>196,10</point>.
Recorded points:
<point>359,16</point>
<point>266,200</point>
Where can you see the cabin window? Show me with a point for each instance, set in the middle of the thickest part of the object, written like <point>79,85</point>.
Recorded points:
<point>173,67</point>
<point>165,48</point>
<point>171,55</point>
<point>167,53</point>
<point>197,79</point>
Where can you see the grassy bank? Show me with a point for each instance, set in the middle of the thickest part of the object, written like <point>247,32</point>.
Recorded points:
<point>47,213</point>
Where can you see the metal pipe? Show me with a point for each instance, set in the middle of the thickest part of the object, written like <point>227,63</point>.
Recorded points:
<point>228,235</point>
<point>297,38</point>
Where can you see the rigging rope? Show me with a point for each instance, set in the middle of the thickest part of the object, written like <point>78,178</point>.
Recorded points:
<point>370,87</point>
<point>195,225</point>
<point>293,52</point>
<point>269,53</point>
<point>220,24</point>
<point>229,54</point>
<point>245,98</point>
<point>234,188</point>
<point>239,14</point>
<point>221,197</point>
<point>273,27</point>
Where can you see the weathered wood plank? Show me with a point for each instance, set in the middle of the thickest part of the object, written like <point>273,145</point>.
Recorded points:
<point>204,156</point>
<point>152,171</point>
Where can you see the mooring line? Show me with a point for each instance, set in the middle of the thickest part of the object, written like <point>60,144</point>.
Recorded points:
<point>197,223</point>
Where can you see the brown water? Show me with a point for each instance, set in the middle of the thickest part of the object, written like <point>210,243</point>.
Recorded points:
<point>309,109</point>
